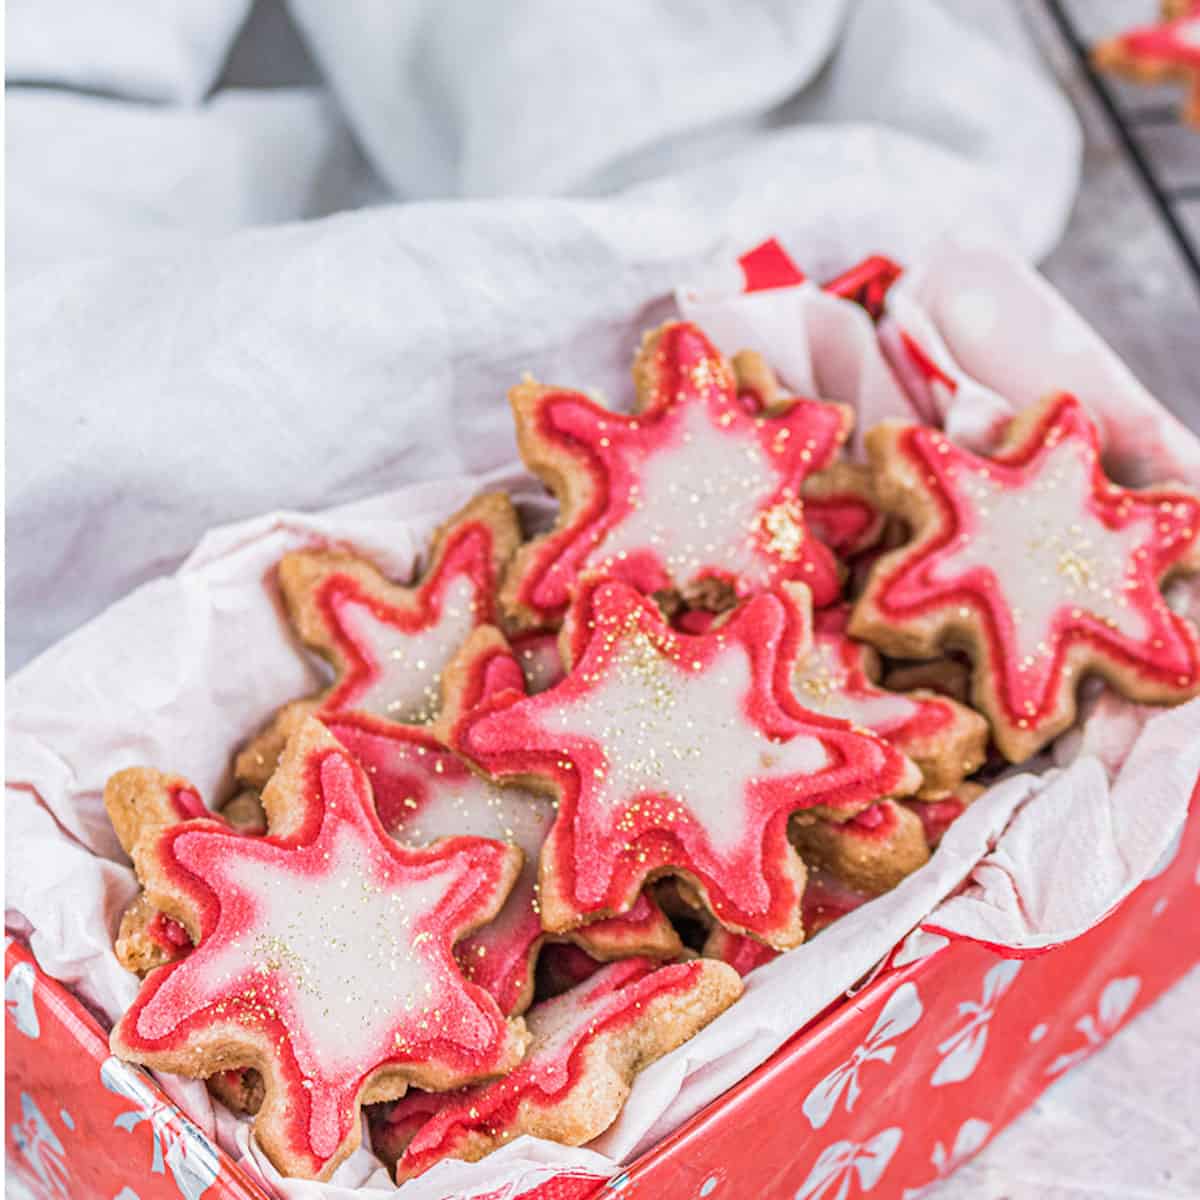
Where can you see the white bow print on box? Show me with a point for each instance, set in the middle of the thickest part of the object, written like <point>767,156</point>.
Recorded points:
<point>833,1173</point>
<point>970,1139</point>
<point>901,1012</point>
<point>963,1049</point>
<point>1115,1001</point>
<point>18,999</point>
<point>40,1147</point>
<point>189,1155</point>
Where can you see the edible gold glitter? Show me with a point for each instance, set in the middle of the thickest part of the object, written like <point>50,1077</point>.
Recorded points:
<point>782,528</point>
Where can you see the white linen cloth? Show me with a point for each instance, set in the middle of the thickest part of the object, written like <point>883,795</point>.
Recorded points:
<point>142,49</point>
<point>290,142</point>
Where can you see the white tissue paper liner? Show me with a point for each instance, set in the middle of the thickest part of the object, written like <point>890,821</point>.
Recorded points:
<point>181,670</point>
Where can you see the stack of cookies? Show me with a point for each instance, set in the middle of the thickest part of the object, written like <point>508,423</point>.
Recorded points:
<point>561,794</point>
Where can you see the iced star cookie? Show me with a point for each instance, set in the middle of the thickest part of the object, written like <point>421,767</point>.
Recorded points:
<point>323,958</point>
<point>1167,50</point>
<point>423,792</point>
<point>870,853</point>
<point>687,489</point>
<point>588,1045</point>
<point>678,755</point>
<point>945,739</point>
<point>385,642</point>
<point>1036,566</point>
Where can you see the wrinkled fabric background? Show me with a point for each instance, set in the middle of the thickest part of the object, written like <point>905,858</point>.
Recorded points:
<point>191,343</point>
<point>186,347</point>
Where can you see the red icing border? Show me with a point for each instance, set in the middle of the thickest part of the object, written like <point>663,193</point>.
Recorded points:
<point>187,803</point>
<point>903,593</point>
<point>168,933</point>
<point>842,521</point>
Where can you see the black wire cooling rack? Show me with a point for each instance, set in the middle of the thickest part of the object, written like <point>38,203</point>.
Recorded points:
<point>1127,121</point>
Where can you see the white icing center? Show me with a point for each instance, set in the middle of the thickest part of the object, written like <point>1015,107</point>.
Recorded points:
<point>1189,34</point>
<point>340,945</point>
<point>820,685</point>
<point>682,734</point>
<point>406,687</point>
<point>698,500</point>
<point>1047,551</point>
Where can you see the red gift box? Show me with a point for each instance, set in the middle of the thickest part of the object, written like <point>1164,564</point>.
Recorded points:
<point>890,1089</point>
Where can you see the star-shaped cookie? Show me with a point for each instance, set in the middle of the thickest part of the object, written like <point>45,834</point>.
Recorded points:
<point>1168,50</point>
<point>688,488</point>
<point>588,1045</point>
<point>387,643</point>
<point>323,958</point>
<point>678,755</point>
<point>1037,566</point>
<point>423,793</point>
